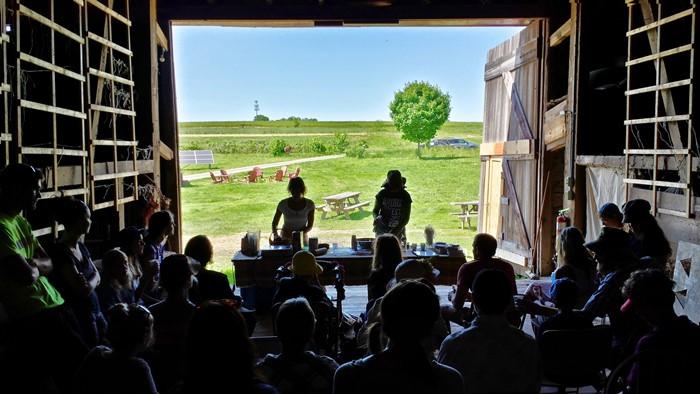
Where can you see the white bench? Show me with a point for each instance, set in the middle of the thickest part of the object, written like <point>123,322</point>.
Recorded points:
<point>196,157</point>
<point>353,207</point>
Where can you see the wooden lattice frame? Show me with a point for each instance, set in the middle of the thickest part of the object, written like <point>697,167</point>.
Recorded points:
<point>104,75</point>
<point>661,89</point>
<point>26,63</point>
<point>5,136</point>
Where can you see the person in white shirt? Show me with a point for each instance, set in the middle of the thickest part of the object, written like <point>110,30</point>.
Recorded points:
<point>297,210</point>
<point>492,355</point>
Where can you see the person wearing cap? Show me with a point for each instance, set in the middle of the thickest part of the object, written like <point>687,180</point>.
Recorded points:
<point>304,282</point>
<point>45,350</point>
<point>668,353</point>
<point>407,270</point>
<point>610,215</point>
<point>652,240</point>
<point>392,206</point>
<point>616,261</point>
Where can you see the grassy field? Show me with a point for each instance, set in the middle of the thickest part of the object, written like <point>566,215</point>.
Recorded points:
<point>226,211</point>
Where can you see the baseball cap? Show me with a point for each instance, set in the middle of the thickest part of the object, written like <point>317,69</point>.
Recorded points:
<point>635,209</point>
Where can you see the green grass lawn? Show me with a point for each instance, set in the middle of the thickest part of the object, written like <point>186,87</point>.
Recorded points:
<point>226,211</point>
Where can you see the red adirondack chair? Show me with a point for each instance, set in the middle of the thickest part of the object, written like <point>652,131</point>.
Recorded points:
<point>295,173</point>
<point>254,175</point>
<point>225,176</point>
<point>215,178</point>
<point>278,177</point>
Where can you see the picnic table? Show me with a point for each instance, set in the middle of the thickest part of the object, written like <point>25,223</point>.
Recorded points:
<point>341,204</point>
<point>469,209</point>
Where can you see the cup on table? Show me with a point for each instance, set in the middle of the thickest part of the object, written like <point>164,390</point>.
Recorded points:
<point>422,247</point>
<point>414,246</point>
<point>334,245</point>
<point>313,243</point>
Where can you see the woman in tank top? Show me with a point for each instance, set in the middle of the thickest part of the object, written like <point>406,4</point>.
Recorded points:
<point>297,210</point>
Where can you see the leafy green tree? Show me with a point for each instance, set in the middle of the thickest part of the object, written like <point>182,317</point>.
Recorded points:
<point>261,118</point>
<point>419,110</point>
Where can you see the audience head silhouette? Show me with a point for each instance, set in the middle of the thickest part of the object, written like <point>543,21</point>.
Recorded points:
<point>20,185</point>
<point>115,268</point>
<point>161,225</point>
<point>565,294</point>
<point>408,312</point>
<point>484,246</point>
<point>295,323</point>
<point>610,215</point>
<point>650,294</point>
<point>130,329</point>
<point>73,214</point>
<point>387,253</point>
<point>200,248</point>
<point>491,292</point>
<point>131,240</point>
<point>219,354</point>
<point>175,273</point>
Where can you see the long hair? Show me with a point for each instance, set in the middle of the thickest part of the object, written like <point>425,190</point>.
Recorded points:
<point>387,253</point>
<point>219,354</point>
<point>573,251</point>
<point>652,238</point>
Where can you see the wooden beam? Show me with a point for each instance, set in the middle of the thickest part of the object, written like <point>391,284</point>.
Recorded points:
<point>636,162</point>
<point>111,77</point>
<point>662,21</point>
<point>649,182</point>
<point>660,119</point>
<point>165,151</point>
<point>508,148</point>
<point>160,37</point>
<point>512,257</point>
<point>109,11</point>
<point>51,67</point>
<point>555,123</point>
<point>561,34</point>
<point>113,143</point>
<point>106,177</point>
<point>118,111</point>
<point>513,193</point>
<point>663,86</point>
<point>52,109</point>
<point>659,55</point>
<point>51,151</point>
<point>99,39</point>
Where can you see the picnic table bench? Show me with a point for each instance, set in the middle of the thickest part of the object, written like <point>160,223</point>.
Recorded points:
<point>341,204</point>
<point>469,209</point>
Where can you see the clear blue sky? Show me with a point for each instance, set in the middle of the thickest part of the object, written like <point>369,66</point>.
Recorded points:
<point>326,73</point>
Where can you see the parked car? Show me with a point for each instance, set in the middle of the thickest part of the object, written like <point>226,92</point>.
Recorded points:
<point>452,142</point>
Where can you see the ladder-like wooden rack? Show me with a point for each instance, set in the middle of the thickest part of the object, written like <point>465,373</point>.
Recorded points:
<point>661,114</point>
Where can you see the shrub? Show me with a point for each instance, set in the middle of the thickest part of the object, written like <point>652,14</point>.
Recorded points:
<point>261,118</point>
<point>357,150</point>
<point>317,146</point>
<point>277,147</point>
<point>340,142</point>
<point>192,146</point>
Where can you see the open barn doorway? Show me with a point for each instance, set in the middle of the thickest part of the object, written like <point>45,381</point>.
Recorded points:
<point>356,150</point>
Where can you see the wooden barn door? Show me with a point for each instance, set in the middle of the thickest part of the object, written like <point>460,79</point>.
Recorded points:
<point>511,129</point>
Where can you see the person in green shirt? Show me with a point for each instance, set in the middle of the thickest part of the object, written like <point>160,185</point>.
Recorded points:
<point>40,328</point>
